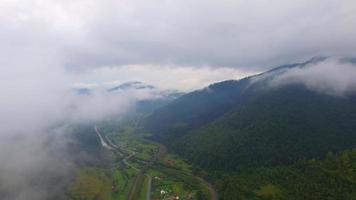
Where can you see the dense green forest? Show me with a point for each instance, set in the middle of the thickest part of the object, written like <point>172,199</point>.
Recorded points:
<point>260,142</point>
<point>331,178</point>
<point>275,127</point>
<point>200,107</point>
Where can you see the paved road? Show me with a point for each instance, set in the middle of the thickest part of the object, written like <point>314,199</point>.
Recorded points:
<point>213,193</point>
<point>149,187</point>
<point>110,142</point>
<point>161,151</point>
<point>110,146</point>
<point>102,141</point>
<point>128,164</point>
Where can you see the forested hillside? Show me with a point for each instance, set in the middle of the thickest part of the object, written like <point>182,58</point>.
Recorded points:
<point>235,124</point>
<point>274,127</point>
<point>201,107</point>
<point>194,109</point>
<point>331,178</point>
<point>261,142</point>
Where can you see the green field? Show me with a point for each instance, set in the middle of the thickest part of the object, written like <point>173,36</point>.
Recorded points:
<point>171,176</point>
<point>91,184</point>
<point>143,190</point>
<point>169,182</point>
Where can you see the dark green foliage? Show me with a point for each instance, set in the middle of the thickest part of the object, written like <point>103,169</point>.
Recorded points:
<point>275,127</point>
<point>255,139</point>
<point>85,147</point>
<point>86,138</point>
<point>245,123</point>
<point>194,109</point>
<point>333,178</point>
<point>200,107</point>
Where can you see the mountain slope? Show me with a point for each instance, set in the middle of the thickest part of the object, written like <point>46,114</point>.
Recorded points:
<point>332,178</point>
<point>194,109</point>
<point>276,127</point>
<point>236,124</point>
<point>132,85</point>
<point>203,106</point>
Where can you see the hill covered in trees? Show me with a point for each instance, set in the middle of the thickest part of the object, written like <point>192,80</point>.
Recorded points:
<point>331,178</point>
<point>267,136</point>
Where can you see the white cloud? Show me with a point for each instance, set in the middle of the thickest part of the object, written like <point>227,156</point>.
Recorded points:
<point>239,34</point>
<point>331,76</point>
<point>49,45</point>
<point>165,77</point>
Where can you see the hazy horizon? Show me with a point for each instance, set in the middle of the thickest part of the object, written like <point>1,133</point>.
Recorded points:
<point>51,47</point>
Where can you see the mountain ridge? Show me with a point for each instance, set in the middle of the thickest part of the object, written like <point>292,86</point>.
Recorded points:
<point>235,119</point>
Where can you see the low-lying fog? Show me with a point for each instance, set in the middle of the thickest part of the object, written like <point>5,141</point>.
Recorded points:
<point>48,48</point>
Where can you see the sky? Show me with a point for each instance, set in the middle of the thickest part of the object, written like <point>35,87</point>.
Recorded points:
<point>331,77</point>
<point>199,41</point>
<point>49,47</point>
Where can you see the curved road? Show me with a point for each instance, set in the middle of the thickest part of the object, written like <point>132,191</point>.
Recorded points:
<point>102,141</point>
<point>213,193</point>
<point>161,152</point>
<point>110,146</point>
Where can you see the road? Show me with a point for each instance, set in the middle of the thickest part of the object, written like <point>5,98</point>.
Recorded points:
<point>108,144</point>
<point>102,141</point>
<point>128,164</point>
<point>213,193</point>
<point>149,187</point>
<point>134,189</point>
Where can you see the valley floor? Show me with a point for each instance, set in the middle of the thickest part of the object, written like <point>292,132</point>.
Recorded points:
<point>141,170</point>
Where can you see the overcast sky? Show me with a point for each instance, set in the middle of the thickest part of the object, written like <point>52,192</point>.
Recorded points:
<point>82,36</point>
<point>50,46</point>
<point>47,47</point>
